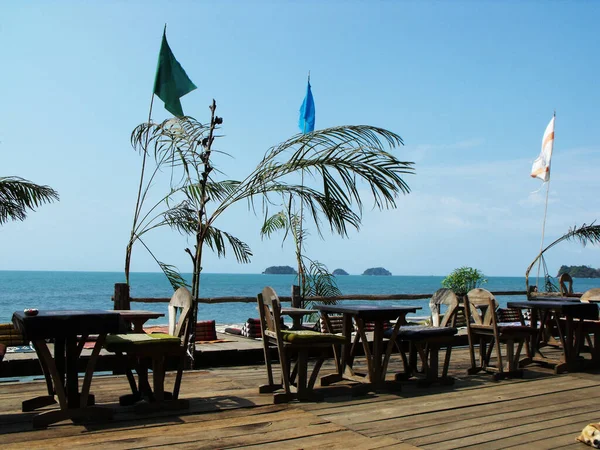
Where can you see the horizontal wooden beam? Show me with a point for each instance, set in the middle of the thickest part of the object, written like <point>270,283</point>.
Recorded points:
<point>367,297</point>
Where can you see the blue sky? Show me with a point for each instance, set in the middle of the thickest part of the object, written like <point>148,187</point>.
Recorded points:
<point>470,86</point>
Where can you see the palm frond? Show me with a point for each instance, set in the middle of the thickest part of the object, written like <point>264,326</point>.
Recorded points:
<point>337,159</point>
<point>274,223</point>
<point>170,271</point>
<point>181,217</point>
<point>585,234</point>
<point>17,195</point>
<point>221,190</point>
<point>173,275</point>
<point>318,282</point>
<point>217,239</point>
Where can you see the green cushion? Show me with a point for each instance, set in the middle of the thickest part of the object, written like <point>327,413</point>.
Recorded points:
<point>120,342</point>
<point>308,336</point>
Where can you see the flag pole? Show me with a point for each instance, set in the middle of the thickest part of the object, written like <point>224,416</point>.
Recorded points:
<point>136,214</point>
<point>545,214</point>
<point>300,270</point>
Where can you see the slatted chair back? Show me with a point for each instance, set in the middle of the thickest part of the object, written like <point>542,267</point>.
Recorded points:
<point>452,314</point>
<point>509,315</point>
<point>591,295</point>
<point>565,282</point>
<point>269,308</point>
<point>336,324</point>
<point>480,307</point>
<point>180,308</point>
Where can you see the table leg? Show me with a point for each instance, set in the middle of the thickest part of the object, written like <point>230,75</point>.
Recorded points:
<point>390,345</point>
<point>345,356</point>
<point>138,326</point>
<point>89,371</point>
<point>43,400</point>
<point>72,383</point>
<point>378,377</point>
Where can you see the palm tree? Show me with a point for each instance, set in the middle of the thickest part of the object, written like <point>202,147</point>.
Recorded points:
<point>585,234</point>
<point>17,195</point>
<point>336,158</point>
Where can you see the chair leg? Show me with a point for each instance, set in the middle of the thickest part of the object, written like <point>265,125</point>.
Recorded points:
<point>445,378</point>
<point>315,371</point>
<point>499,354</point>
<point>473,368</point>
<point>302,366</point>
<point>158,377</point>
<point>510,355</point>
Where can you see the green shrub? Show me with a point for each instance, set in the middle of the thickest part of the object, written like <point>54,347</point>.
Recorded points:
<point>463,279</point>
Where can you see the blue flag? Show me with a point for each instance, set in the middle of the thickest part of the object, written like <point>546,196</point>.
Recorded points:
<point>307,112</point>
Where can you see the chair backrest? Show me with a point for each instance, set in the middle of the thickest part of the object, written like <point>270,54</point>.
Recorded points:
<point>509,315</point>
<point>589,295</point>
<point>269,308</point>
<point>444,297</point>
<point>181,303</point>
<point>480,307</point>
<point>565,282</point>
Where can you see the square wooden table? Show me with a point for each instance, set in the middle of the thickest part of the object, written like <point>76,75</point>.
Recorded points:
<point>378,358</point>
<point>570,335</point>
<point>69,329</point>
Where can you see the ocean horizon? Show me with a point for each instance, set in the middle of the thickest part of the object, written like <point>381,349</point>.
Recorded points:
<point>94,290</point>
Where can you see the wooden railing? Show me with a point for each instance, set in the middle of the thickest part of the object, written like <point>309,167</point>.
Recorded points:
<point>122,299</point>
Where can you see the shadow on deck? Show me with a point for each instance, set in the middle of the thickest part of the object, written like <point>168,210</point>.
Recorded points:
<point>540,411</point>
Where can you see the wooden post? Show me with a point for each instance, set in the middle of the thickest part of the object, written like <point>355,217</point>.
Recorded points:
<point>296,303</point>
<point>121,298</point>
<point>296,299</point>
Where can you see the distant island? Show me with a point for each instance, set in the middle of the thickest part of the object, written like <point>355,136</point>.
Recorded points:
<point>280,270</point>
<point>377,271</point>
<point>579,271</point>
<point>339,272</point>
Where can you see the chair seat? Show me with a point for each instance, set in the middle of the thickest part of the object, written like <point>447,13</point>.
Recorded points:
<point>130,342</point>
<point>312,337</point>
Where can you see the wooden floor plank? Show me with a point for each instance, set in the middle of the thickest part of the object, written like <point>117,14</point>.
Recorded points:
<point>542,411</point>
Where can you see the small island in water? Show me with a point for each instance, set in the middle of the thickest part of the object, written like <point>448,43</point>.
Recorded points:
<point>339,272</point>
<point>377,271</point>
<point>280,270</point>
<point>579,271</point>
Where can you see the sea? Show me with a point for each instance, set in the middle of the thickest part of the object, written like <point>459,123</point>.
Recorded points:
<point>93,290</point>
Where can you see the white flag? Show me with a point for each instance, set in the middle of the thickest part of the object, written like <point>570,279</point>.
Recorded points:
<point>541,166</point>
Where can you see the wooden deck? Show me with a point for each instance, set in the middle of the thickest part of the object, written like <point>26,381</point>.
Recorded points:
<point>540,411</point>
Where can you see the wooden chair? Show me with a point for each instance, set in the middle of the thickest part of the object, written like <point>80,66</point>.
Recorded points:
<point>290,344</point>
<point>591,328</point>
<point>453,315</point>
<point>143,350</point>
<point>565,282</point>
<point>425,342</point>
<point>591,295</point>
<point>488,333</point>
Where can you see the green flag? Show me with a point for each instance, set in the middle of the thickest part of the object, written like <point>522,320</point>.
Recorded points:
<point>171,82</point>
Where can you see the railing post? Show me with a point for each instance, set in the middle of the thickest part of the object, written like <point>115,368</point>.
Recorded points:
<point>296,303</point>
<point>121,298</point>
<point>296,298</point>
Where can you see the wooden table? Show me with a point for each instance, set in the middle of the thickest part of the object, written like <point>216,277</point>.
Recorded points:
<point>69,329</point>
<point>378,358</point>
<point>136,318</point>
<point>570,335</point>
